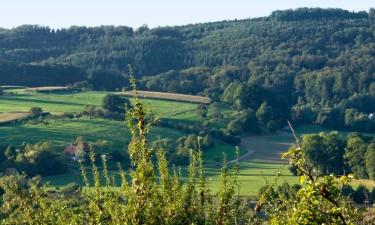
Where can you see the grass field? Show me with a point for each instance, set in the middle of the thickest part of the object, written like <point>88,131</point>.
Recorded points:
<point>168,96</point>
<point>253,175</point>
<point>261,163</point>
<point>75,102</point>
<point>64,131</point>
<point>259,168</point>
<point>47,89</point>
<point>53,103</point>
<point>255,171</point>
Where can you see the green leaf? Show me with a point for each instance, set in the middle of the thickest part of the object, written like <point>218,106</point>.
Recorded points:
<point>301,179</point>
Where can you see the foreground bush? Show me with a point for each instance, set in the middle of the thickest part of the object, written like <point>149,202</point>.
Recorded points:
<point>319,200</point>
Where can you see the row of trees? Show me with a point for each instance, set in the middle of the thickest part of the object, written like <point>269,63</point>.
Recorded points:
<point>153,51</point>
<point>331,153</point>
<point>178,151</point>
<point>113,107</point>
<point>33,159</point>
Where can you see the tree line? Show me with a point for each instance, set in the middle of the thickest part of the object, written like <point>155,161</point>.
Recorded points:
<point>330,153</point>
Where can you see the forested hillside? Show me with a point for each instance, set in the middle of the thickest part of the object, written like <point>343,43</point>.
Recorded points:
<point>307,65</point>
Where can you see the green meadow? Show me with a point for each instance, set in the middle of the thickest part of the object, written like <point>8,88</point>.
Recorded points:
<point>260,155</point>
<point>75,102</point>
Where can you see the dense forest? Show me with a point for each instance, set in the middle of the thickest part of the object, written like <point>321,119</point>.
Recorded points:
<point>309,65</point>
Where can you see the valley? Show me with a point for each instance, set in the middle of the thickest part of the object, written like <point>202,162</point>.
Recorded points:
<point>260,155</point>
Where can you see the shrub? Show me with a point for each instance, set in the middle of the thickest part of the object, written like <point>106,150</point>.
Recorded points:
<point>36,111</point>
<point>115,103</point>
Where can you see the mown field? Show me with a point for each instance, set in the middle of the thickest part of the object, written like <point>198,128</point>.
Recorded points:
<point>12,116</point>
<point>261,154</point>
<point>75,102</point>
<point>168,96</point>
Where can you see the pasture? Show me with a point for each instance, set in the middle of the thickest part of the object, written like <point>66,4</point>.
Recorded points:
<point>61,132</point>
<point>262,166</point>
<point>252,176</point>
<point>64,131</point>
<point>48,89</point>
<point>53,103</point>
<point>58,103</point>
<point>260,161</point>
<point>168,96</point>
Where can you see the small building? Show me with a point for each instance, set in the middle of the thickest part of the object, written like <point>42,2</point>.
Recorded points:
<point>76,151</point>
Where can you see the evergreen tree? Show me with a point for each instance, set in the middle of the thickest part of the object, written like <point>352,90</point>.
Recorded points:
<point>370,160</point>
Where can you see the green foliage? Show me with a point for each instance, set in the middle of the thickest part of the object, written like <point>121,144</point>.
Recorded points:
<point>316,14</point>
<point>318,200</point>
<point>202,111</point>
<point>361,194</point>
<point>115,103</point>
<point>39,158</point>
<point>244,122</point>
<point>311,61</point>
<point>265,115</point>
<point>370,160</point>
<point>36,111</point>
<point>38,75</point>
<point>102,80</point>
<point>355,154</point>
<point>330,153</point>
<point>325,151</point>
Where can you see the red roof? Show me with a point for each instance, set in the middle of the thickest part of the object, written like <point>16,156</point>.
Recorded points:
<point>72,149</point>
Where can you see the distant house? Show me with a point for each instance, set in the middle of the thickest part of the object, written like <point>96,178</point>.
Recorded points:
<point>76,151</point>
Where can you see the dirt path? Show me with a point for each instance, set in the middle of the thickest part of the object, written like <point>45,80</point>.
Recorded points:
<point>265,148</point>
<point>247,155</point>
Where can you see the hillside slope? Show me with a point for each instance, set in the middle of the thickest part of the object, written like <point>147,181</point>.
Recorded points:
<point>309,65</point>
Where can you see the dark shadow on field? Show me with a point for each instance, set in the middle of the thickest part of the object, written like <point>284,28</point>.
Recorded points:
<point>182,112</point>
<point>59,92</point>
<point>12,95</point>
<point>255,169</point>
<point>175,121</point>
<point>42,101</point>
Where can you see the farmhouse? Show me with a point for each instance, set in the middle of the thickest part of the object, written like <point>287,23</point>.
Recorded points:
<point>76,151</point>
